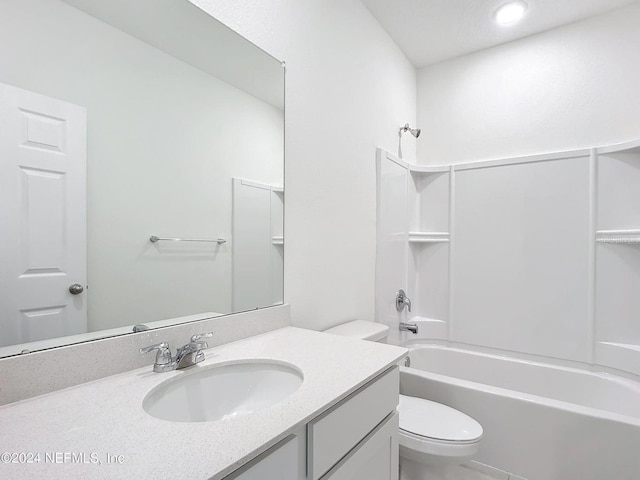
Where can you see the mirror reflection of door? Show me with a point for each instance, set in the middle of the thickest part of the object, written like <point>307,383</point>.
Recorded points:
<point>42,217</point>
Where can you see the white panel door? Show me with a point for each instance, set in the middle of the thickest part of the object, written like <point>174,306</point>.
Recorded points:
<point>42,217</point>
<point>392,241</point>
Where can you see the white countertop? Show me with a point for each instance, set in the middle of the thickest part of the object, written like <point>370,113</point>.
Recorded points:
<point>105,417</point>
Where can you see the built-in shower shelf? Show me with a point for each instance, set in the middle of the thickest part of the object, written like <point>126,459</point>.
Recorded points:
<point>618,237</point>
<point>417,169</point>
<point>625,346</point>
<point>277,241</point>
<point>428,237</point>
<point>624,356</point>
<point>419,318</point>
<point>432,328</point>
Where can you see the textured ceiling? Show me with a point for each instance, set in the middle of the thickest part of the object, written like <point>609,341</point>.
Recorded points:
<point>430,31</point>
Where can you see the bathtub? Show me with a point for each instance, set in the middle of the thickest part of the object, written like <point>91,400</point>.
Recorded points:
<point>540,421</point>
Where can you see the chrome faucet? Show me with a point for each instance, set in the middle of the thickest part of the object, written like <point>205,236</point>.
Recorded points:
<point>187,355</point>
<point>192,353</point>
<point>409,327</point>
<point>402,300</point>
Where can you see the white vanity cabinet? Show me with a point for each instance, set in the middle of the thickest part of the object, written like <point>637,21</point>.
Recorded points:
<point>344,429</point>
<point>280,462</point>
<point>375,458</point>
<point>357,439</point>
<point>339,424</point>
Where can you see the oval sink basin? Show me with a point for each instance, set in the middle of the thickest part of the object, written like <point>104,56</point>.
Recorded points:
<point>222,392</point>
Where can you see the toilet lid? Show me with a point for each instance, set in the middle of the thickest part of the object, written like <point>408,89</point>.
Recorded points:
<point>362,329</point>
<point>434,420</point>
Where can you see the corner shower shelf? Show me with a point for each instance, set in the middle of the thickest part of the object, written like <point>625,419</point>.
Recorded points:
<point>418,318</point>
<point>618,237</point>
<point>624,356</point>
<point>432,328</point>
<point>417,169</point>
<point>625,346</point>
<point>428,237</point>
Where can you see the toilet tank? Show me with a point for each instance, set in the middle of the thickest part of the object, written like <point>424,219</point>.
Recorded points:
<point>362,329</point>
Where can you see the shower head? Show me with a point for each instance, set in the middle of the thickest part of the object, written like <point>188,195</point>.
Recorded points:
<point>413,131</point>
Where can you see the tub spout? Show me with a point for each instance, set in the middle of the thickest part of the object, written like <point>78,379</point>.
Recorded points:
<point>408,327</point>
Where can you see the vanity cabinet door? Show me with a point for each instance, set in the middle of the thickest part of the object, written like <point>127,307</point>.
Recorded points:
<point>335,433</point>
<point>281,462</point>
<point>375,458</point>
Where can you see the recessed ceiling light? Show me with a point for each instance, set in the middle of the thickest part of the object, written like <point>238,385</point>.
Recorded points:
<point>511,12</point>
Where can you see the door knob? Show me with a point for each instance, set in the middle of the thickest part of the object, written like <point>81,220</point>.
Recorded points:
<point>76,289</point>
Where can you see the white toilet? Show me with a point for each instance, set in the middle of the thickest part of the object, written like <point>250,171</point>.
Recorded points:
<point>433,437</point>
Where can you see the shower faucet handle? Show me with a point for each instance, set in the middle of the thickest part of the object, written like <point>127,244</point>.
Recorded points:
<point>402,300</point>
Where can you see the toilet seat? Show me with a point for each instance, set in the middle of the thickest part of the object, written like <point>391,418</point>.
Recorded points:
<point>431,428</point>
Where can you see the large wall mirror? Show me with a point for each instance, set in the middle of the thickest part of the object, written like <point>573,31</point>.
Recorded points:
<point>141,170</point>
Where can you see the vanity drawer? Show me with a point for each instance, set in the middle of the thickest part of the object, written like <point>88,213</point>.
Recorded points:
<point>332,435</point>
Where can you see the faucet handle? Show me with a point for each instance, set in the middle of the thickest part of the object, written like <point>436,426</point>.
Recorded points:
<point>198,345</point>
<point>402,300</point>
<point>198,336</point>
<point>163,357</point>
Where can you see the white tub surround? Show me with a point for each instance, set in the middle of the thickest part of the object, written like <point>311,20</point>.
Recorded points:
<point>112,420</point>
<point>478,246</point>
<point>540,421</point>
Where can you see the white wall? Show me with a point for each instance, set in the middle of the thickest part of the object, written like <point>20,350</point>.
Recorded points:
<point>349,88</point>
<point>146,175</point>
<point>564,89</point>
